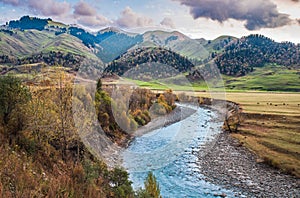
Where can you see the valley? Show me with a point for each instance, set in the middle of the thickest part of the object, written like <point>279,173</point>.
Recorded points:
<point>72,100</point>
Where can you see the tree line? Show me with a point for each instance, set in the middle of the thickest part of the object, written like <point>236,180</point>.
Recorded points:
<point>119,120</point>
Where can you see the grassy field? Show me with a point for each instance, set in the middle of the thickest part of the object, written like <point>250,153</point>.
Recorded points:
<point>270,127</point>
<point>268,78</point>
<point>168,84</point>
<point>263,102</point>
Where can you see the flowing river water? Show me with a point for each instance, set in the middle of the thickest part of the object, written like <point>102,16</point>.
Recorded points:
<point>172,153</point>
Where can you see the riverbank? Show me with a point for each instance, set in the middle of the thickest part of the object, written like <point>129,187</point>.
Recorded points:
<point>232,166</point>
<point>178,114</point>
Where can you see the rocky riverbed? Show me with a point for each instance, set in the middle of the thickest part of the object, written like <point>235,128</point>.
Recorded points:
<point>234,167</point>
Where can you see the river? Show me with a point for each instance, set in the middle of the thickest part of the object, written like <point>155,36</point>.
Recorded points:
<point>172,153</point>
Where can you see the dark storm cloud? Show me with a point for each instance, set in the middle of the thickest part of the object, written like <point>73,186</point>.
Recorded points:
<point>257,13</point>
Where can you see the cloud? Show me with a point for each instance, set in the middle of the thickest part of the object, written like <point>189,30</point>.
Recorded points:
<point>50,7</point>
<point>167,22</point>
<point>88,16</point>
<point>130,19</point>
<point>84,9</point>
<point>11,2</point>
<point>93,21</point>
<point>257,13</point>
<point>45,7</point>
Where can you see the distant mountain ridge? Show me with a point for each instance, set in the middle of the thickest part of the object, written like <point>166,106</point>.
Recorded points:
<point>106,44</point>
<point>111,42</point>
<point>26,39</point>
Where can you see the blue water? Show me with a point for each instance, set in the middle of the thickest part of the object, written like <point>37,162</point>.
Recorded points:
<point>172,153</point>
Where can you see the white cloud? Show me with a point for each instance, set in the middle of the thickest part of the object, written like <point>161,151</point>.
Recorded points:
<point>84,9</point>
<point>87,15</point>
<point>167,22</point>
<point>131,19</point>
<point>93,21</point>
<point>49,7</point>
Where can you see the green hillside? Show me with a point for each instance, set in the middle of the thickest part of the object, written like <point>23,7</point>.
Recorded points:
<point>218,44</point>
<point>198,49</point>
<point>24,43</point>
<point>269,78</point>
<point>272,77</point>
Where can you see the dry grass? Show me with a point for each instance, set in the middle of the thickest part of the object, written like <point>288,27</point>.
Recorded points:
<point>270,127</point>
<point>274,139</point>
<point>268,103</point>
<point>261,102</point>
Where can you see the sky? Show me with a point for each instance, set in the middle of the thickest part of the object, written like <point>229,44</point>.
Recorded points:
<point>277,19</point>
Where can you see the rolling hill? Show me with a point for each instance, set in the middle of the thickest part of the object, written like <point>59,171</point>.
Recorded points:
<point>198,49</point>
<point>154,62</point>
<point>33,40</point>
<point>23,43</point>
<point>245,54</point>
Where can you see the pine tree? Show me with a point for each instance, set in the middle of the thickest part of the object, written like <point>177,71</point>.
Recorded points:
<point>151,186</point>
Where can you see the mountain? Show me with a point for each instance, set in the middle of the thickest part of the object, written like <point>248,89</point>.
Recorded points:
<point>198,49</point>
<point>218,44</point>
<point>23,43</point>
<point>106,44</point>
<point>243,55</point>
<point>31,46</point>
<point>151,62</point>
<point>111,44</point>
<point>30,40</point>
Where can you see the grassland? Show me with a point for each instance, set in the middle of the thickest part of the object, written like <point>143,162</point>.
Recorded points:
<point>271,77</point>
<point>268,78</point>
<point>269,103</point>
<point>169,84</point>
<point>270,127</point>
